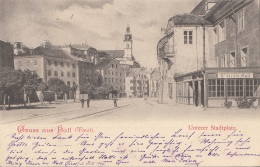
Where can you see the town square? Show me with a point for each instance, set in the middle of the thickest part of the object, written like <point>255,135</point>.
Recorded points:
<point>129,83</point>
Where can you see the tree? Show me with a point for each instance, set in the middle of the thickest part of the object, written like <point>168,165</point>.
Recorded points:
<point>42,86</point>
<point>31,83</point>
<point>104,89</point>
<point>55,85</point>
<point>87,88</point>
<point>74,89</point>
<point>65,90</point>
<point>11,82</point>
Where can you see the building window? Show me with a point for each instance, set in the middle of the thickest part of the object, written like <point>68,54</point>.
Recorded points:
<point>222,31</point>
<point>131,88</point>
<point>112,65</point>
<point>20,63</point>
<point>187,37</point>
<point>112,79</point>
<point>112,72</point>
<point>28,63</point>
<point>235,88</point>
<point>249,88</point>
<point>73,74</point>
<point>49,72</point>
<point>231,88</point>
<point>55,73</point>
<point>256,87</point>
<point>55,63</point>
<point>68,65</point>
<point>35,62</point>
<point>244,57</point>
<point>232,59</point>
<point>49,62</point>
<point>220,87</point>
<point>239,88</point>
<point>224,61</point>
<point>68,74</point>
<point>73,65</point>
<point>68,83</point>
<point>241,20</point>
<point>216,88</point>
<point>116,65</point>
<point>62,73</point>
<point>61,64</point>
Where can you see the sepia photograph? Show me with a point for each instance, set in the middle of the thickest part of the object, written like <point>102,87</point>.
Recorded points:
<point>136,83</point>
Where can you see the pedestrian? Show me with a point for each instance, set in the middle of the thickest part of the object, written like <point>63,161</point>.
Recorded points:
<point>82,101</point>
<point>115,102</point>
<point>87,99</point>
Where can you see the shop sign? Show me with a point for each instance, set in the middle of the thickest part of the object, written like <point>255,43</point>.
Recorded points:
<point>234,75</point>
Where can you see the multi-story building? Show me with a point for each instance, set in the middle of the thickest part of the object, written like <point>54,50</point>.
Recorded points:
<point>214,51</point>
<point>49,62</point>
<point>6,55</point>
<point>136,82</point>
<point>154,77</point>
<point>235,71</point>
<point>111,73</point>
<point>87,58</point>
<point>55,62</point>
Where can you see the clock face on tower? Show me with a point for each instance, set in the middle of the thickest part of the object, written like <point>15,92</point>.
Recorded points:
<point>128,37</point>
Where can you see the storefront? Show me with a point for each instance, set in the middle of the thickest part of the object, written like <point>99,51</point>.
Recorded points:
<point>190,88</point>
<point>214,86</point>
<point>232,84</point>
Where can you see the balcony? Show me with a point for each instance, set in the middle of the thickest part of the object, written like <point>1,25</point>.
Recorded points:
<point>166,51</point>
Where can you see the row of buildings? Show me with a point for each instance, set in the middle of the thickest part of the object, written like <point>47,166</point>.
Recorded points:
<point>82,64</point>
<point>211,54</point>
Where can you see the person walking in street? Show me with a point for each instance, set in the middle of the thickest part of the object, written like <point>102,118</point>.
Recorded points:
<point>115,101</point>
<point>87,99</point>
<point>82,101</point>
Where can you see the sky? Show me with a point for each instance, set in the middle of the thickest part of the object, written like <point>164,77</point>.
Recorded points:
<point>98,23</point>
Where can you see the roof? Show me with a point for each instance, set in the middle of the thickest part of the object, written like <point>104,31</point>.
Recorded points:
<point>134,71</point>
<point>5,43</point>
<point>50,52</point>
<point>189,19</point>
<point>103,63</point>
<point>114,53</point>
<point>81,46</point>
<point>216,7</point>
<point>200,8</point>
<point>103,55</point>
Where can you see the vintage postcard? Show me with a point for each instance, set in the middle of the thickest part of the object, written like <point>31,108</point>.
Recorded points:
<point>137,83</point>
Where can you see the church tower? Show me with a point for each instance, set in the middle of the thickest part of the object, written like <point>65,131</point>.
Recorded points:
<point>128,44</point>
